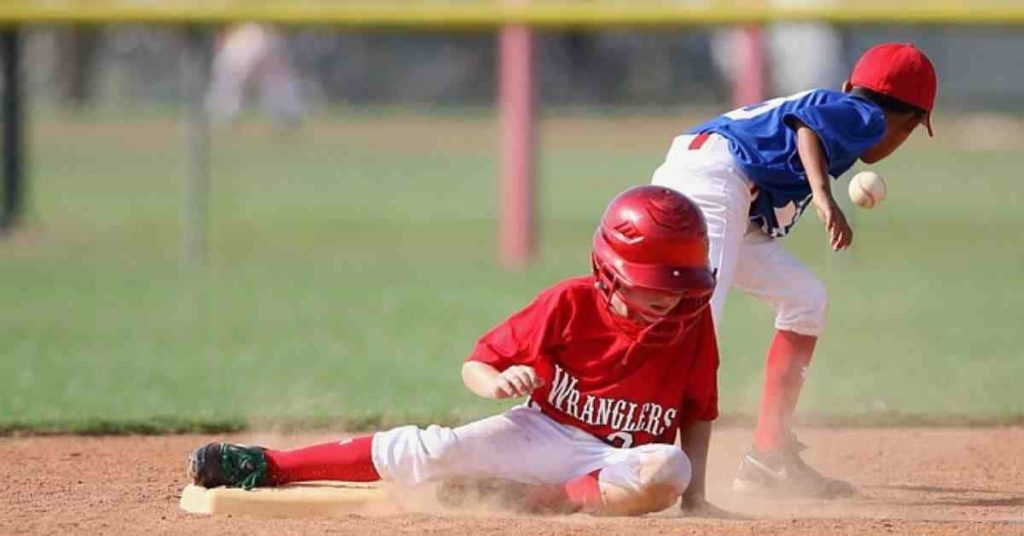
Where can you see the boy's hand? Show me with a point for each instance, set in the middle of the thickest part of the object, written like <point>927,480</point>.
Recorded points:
<point>516,381</point>
<point>840,235</point>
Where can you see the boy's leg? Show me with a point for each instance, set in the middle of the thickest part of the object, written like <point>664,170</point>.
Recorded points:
<point>566,468</point>
<point>643,479</point>
<point>800,301</point>
<point>632,481</point>
<point>703,170</point>
<point>249,466</point>
<point>521,445</point>
<point>350,461</point>
<point>767,271</point>
<point>788,357</point>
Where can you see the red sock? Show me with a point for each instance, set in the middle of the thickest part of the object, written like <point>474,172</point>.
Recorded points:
<point>350,461</point>
<point>584,491</point>
<point>788,357</point>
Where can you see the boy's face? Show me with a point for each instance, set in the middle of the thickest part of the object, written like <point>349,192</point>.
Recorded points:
<point>644,305</point>
<point>898,127</point>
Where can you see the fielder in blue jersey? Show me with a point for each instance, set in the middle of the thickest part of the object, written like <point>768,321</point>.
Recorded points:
<point>764,146</point>
<point>753,171</point>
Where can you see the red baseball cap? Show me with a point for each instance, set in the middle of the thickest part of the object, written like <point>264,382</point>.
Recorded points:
<point>901,71</point>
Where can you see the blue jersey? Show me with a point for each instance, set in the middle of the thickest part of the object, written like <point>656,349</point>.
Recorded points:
<point>763,143</point>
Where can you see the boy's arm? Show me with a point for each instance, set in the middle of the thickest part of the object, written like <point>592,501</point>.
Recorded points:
<point>695,441</point>
<point>501,364</point>
<point>695,437</point>
<point>486,381</point>
<point>812,156</point>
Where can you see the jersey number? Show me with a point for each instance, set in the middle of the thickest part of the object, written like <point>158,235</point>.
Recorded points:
<point>625,437</point>
<point>755,110</point>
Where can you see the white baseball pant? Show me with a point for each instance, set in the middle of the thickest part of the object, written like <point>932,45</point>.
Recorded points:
<point>523,445</point>
<point>744,256</point>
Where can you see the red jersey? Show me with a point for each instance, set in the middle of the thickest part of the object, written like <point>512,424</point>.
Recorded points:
<point>599,373</point>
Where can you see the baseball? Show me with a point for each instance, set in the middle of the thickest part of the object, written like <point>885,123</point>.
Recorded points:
<point>867,189</point>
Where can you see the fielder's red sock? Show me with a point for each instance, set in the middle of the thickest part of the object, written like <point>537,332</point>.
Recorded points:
<point>788,358</point>
<point>350,461</point>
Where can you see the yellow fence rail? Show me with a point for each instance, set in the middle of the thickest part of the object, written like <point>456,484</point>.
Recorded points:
<point>486,15</point>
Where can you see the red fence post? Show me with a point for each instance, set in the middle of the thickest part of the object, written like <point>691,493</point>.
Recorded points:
<point>517,111</point>
<point>748,82</point>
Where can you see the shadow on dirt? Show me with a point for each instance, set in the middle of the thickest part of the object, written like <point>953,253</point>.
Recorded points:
<point>1015,498</point>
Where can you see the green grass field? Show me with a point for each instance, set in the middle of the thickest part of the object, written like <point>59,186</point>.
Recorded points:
<point>352,268</point>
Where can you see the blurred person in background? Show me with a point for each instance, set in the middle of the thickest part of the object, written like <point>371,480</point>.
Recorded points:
<point>783,43</point>
<point>786,41</point>
<point>253,54</point>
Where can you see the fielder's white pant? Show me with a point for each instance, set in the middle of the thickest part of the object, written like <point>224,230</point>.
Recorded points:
<point>745,257</point>
<point>522,445</point>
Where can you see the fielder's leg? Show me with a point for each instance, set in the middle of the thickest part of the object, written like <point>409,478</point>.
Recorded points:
<point>800,301</point>
<point>704,170</point>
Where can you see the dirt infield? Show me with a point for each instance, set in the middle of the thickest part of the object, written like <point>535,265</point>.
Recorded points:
<point>920,481</point>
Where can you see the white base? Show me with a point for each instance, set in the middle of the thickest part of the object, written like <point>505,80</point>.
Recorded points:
<point>308,499</point>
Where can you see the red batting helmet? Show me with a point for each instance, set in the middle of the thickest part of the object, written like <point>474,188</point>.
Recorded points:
<point>655,238</point>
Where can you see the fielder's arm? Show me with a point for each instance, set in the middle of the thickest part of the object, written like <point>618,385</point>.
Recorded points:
<point>487,382</point>
<point>812,157</point>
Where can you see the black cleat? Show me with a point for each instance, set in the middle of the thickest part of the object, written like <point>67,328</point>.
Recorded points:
<point>783,474</point>
<point>228,464</point>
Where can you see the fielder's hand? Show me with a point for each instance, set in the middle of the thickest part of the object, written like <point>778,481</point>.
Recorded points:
<point>516,381</point>
<point>840,235</point>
